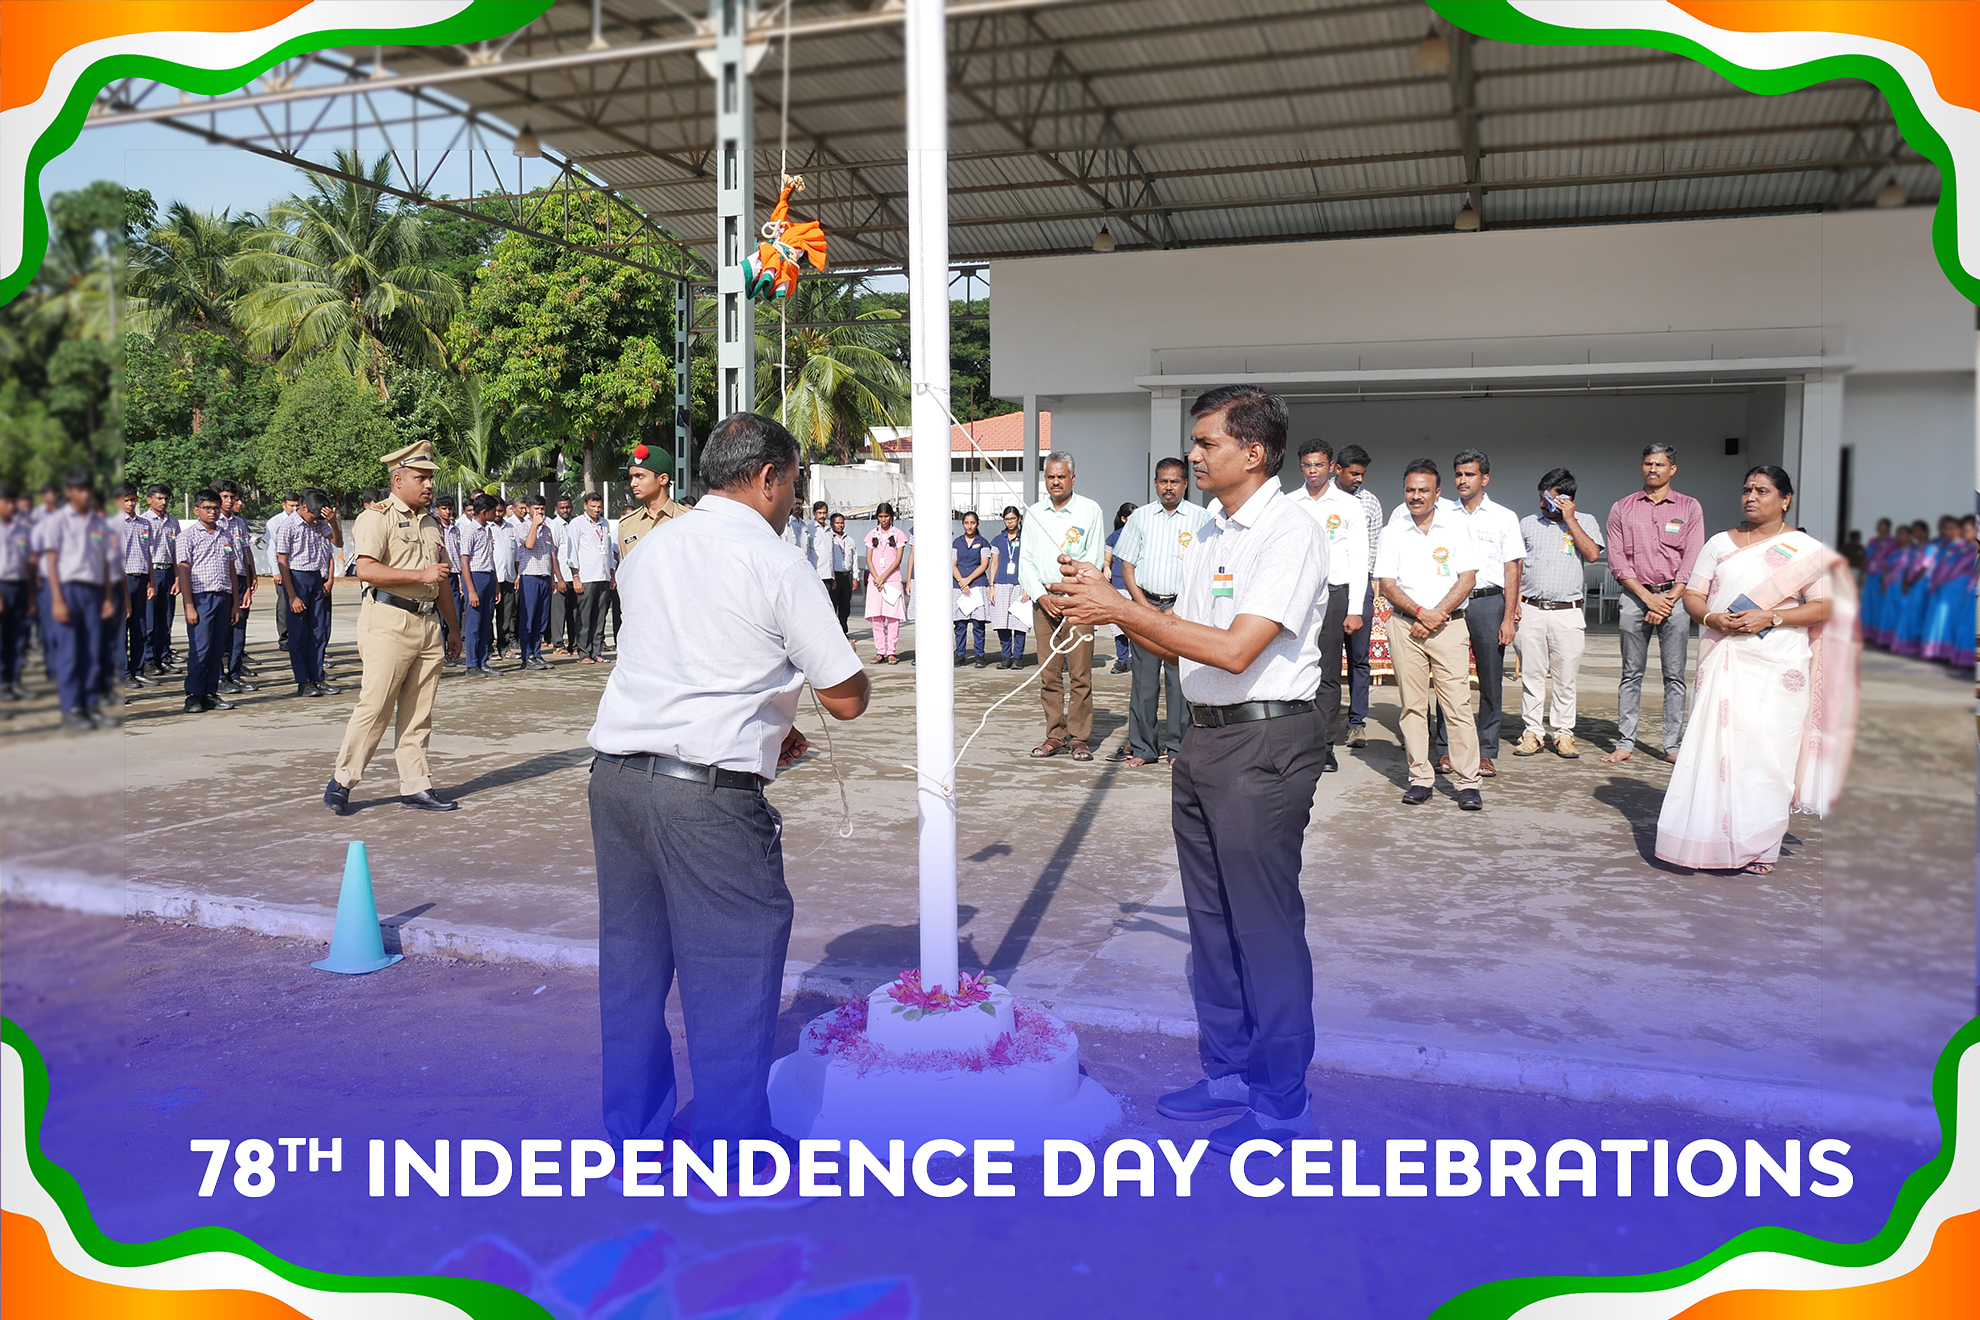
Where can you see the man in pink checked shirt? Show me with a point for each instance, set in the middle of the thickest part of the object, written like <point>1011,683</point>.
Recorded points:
<point>1654,539</point>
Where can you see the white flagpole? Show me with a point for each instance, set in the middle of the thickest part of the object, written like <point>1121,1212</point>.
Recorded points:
<point>928,295</point>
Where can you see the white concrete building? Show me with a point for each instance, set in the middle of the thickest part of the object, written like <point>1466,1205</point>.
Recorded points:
<point>1831,344</point>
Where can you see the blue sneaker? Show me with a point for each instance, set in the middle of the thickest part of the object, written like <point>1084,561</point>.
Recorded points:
<point>1255,1126</point>
<point>1212,1097</point>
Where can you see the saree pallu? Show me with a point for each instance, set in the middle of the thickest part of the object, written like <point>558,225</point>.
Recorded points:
<point>1774,719</point>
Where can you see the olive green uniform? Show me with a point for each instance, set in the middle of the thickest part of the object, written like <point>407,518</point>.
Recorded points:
<point>401,650</point>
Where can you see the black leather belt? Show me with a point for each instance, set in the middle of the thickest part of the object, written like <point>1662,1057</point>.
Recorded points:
<point>406,603</point>
<point>649,764</point>
<point>1551,604</point>
<point>1658,586</point>
<point>1154,599</point>
<point>1216,717</point>
<point>1487,591</point>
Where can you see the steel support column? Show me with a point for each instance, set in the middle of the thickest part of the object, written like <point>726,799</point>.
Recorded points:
<point>683,402</point>
<point>735,215</point>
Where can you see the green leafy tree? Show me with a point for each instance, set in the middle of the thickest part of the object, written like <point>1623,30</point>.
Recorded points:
<point>461,246</point>
<point>583,342</point>
<point>329,430</point>
<point>195,408</point>
<point>34,447</point>
<point>340,272</point>
<point>837,373</point>
<point>969,356</point>
<point>184,272</point>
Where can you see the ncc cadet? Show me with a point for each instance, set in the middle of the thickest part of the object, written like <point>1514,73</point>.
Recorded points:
<point>164,578</point>
<point>650,475</point>
<point>302,565</point>
<point>209,586</point>
<point>235,670</point>
<point>78,557</point>
<point>404,571</point>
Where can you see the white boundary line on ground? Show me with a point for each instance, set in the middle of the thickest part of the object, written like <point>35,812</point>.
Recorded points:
<point>1526,1072</point>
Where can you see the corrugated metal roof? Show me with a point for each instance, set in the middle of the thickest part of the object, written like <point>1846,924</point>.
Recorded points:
<point>1184,122</point>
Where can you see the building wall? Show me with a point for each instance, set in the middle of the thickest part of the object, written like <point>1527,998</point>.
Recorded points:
<point>1861,288</point>
<point>1911,435</point>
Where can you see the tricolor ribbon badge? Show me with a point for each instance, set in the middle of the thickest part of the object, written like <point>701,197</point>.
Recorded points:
<point>1442,554</point>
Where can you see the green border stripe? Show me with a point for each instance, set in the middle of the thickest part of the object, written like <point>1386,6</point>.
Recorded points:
<point>480,1299</point>
<point>481,20</point>
<point>1496,1301</point>
<point>1498,20</point>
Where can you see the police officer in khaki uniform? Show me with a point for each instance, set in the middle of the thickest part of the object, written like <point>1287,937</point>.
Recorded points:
<point>651,477</point>
<point>403,567</point>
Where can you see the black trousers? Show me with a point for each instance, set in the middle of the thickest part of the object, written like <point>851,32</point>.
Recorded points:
<point>690,884</point>
<point>1482,617</point>
<point>505,615</point>
<point>563,618</point>
<point>842,598</point>
<point>137,619</point>
<point>593,604</point>
<point>1333,646</point>
<point>281,611</point>
<point>1242,796</point>
<point>1153,677</point>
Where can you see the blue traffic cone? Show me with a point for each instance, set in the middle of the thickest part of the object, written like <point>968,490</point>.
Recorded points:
<point>357,946</point>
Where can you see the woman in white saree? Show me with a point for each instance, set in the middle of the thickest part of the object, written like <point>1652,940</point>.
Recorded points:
<point>1774,716</point>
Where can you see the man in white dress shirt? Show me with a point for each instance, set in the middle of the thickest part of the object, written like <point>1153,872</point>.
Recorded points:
<point>724,625</point>
<point>1427,567</point>
<point>1245,632</point>
<point>1062,524</point>
<point>1343,521</point>
<point>1491,614</point>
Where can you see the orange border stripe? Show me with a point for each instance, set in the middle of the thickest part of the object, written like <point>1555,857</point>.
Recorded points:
<point>1945,34</point>
<point>39,32</point>
<point>34,1284</point>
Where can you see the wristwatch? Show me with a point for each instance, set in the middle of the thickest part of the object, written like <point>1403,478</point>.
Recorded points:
<point>1777,618</point>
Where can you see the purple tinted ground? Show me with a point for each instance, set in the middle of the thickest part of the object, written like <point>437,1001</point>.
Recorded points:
<point>155,1035</point>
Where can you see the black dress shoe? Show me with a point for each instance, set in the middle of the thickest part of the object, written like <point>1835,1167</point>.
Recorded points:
<point>246,686</point>
<point>229,686</point>
<point>307,690</point>
<point>424,800</point>
<point>76,722</point>
<point>1470,799</point>
<point>327,689</point>
<point>219,703</point>
<point>103,719</point>
<point>247,671</point>
<point>1417,795</point>
<point>337,798</point>
<point>1331,763</point>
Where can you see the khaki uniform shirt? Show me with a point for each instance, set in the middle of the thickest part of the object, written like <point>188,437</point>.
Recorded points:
<point>637,522</point>
<point>399,538</point>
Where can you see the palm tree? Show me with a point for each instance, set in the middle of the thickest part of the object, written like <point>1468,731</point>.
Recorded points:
<point>75,294</point>
<point>840,378</point>
<point>472,455</point>
<point>183,273</point>
<point>340,271</point>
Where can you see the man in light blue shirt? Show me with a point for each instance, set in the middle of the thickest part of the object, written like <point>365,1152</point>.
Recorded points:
<point>1061,524</point>
<point>1150,552</point>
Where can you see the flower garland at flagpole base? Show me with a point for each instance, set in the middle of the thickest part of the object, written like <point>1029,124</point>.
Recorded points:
<point>913,1064</point>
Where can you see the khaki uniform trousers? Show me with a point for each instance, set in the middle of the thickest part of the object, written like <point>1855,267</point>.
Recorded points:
<point>1550,645</point>
<point>1063,718</point>
<point>1437,665</point>
<point>401,654</point>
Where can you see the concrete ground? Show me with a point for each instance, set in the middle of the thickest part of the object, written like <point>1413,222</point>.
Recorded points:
<point>1536,947</point>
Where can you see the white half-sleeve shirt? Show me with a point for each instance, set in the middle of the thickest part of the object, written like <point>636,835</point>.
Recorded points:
<point>724,623</point>
<point>1268,559</point>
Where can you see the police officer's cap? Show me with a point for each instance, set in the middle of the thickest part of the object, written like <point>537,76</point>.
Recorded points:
<point>657,461</point>
<point>417,455</point>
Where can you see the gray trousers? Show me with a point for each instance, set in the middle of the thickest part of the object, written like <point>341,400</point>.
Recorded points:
<point>1240,803</point>
<point>690,884</point>
<point>1673,647</point>
<point>1483,616</point>
<point>1153,678</point>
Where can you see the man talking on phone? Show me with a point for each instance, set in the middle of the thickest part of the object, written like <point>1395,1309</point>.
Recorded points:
<point>1245,635</point>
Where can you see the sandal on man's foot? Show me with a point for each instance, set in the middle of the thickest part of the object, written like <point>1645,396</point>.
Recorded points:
<point>1080,752</point>
<point>1050,747</point>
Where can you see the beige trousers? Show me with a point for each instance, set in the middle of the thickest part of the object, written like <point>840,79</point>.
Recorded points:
<point>1550,645</point>
<point>401,654</point>
<point>1065,719</point>
<point>1436,665</point>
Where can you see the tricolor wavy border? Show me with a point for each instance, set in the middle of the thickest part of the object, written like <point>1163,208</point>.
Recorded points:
<point>57,55</point>
<point>1921,54</point>
<point>58,1263</point>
